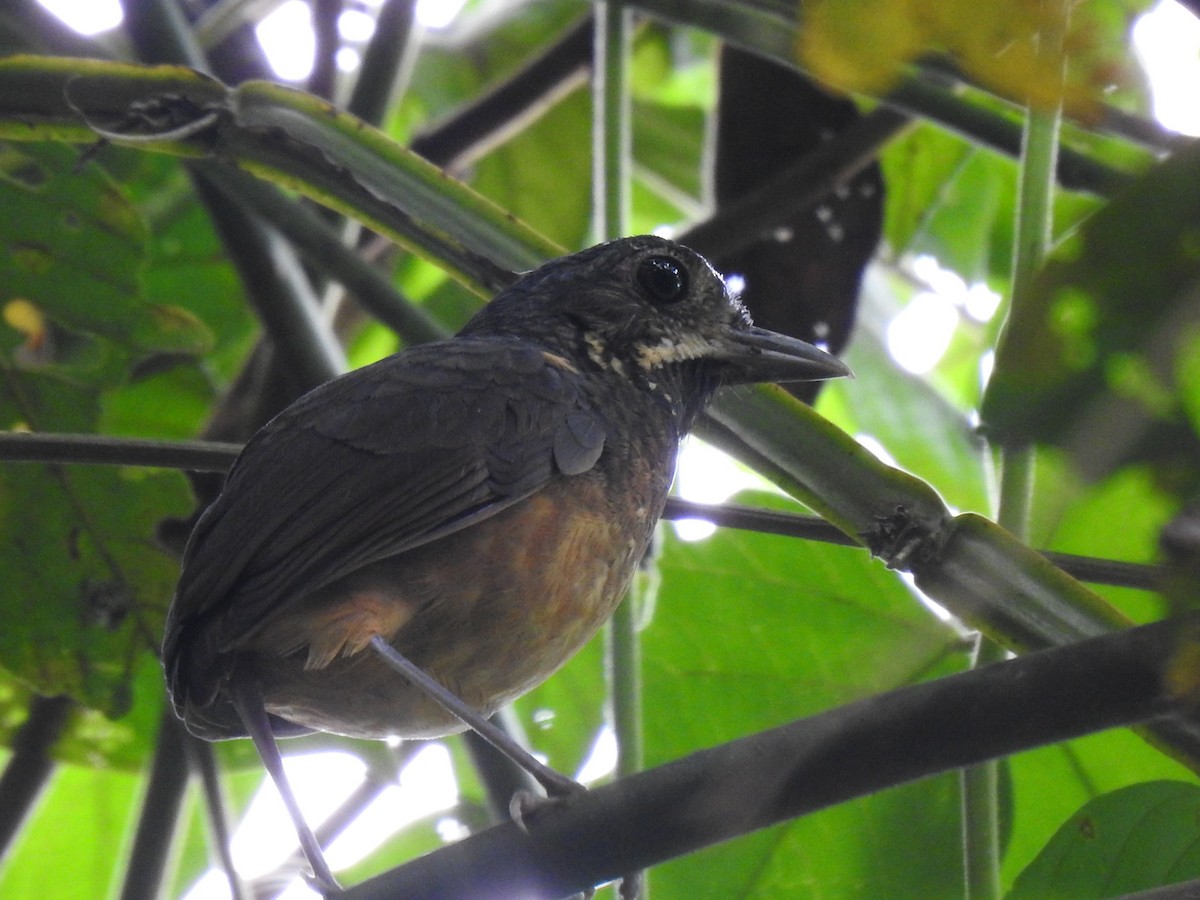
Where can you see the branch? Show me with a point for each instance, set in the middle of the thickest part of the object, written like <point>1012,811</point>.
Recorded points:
<point>1141,576</point>
<point>748,784</point>
<point>195,456</point>
<point>286,136</point>
<point>202,760</point>
<point>159,818</point>
<point>30,765</point>
<point>321,245</point>
<point>493,117</point>
<point>215,456</point>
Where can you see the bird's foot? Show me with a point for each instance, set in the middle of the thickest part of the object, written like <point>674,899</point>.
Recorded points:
<point>526,806</point>
<point>325,885</point>
<point>631,886</point>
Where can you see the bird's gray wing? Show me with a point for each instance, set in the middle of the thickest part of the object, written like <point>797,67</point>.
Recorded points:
<point>375,463</point>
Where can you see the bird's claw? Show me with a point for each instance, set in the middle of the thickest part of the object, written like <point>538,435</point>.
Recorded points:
<point>631,886</point>
<point>326,887</point>
<point>527,805</point>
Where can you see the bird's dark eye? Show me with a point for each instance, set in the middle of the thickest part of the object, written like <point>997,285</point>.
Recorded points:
<point>663,279</point>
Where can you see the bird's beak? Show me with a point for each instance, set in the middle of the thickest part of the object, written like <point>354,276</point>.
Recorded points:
<point>757,355</point>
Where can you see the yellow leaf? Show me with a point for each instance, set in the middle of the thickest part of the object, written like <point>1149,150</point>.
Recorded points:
<point>26,318</point>
<point>1017,48</point>
<point>860,45</point>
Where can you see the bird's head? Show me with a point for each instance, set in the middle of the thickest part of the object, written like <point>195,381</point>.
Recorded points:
<point>654,312</point>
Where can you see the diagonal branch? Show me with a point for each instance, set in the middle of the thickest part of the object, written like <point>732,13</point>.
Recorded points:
<point>159,818</point>
<point>30,765</point>
<point>810,764</point>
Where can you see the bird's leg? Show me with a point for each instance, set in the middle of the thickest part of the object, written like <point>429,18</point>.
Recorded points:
<point>248,701</point>
<point>555,783</point>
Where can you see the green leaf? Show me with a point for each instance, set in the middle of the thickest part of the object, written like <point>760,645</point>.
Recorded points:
<point>971,205</point>
<point>1132,839</point>
<point>84,816</point>
<point>754,630</point>
<point>74,247</point>
<point>1083,522</point>
<point>669,141</point>
<point>186,266</point>
<point>563,716</point>
<point>901,843</point>
<point>751,631</point>
<point>1050,783</point>
<point>527,175</point>
<point>1095,346</point>
<point>956,201</point>
<point>86,587</point>
<point>919,168</point>
<point>925,434</point>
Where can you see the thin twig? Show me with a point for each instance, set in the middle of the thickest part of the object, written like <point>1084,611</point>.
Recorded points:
<point>1117,573</point>
<point>501,778</point>
<point>322,80</point>
<point>277,288</point>
<point>204,763</point>
<point>378,779</point>
<point>216,456</point>
<point>195,456</point>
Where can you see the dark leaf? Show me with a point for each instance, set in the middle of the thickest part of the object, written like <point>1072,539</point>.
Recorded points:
<point>1090,360</point>
<point>802,278</point>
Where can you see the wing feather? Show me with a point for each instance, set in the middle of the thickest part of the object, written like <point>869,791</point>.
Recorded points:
<point>369,466</point>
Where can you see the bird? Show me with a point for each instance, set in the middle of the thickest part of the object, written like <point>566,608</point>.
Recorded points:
<point>478,504</point>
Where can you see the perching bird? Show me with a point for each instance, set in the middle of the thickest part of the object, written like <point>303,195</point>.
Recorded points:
<point>480,503</point>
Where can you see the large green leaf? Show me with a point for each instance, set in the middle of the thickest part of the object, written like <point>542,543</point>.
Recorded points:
<point>564,715</point>
<point>537,174</point>
<point>1132,839</point>
<point>1051,783</point>
<point>1075,516</point>
<point>864,848</point>
<point>943,199</point>
<point>86,585</point>
<point>751,631</point>
<point>956,202</point>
